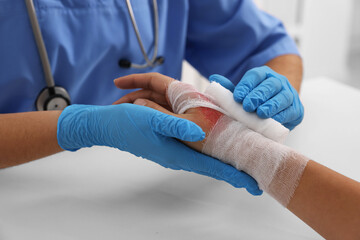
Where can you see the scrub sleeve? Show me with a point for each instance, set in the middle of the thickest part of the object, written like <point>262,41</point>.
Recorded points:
<point>231,37</point>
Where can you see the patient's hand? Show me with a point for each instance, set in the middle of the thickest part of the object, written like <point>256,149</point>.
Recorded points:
<point>277,168</point>
<point>153,94</point>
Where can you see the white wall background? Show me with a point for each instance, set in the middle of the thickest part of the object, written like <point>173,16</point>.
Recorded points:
<point>353,59</point>
<point>327,33</point>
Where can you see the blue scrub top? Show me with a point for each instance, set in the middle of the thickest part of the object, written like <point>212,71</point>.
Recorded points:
<point>86,38</point>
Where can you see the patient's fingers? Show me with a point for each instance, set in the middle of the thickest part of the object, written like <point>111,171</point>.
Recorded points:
<point>147,94</point>
<point>153,105</point>
<point>153,81</point>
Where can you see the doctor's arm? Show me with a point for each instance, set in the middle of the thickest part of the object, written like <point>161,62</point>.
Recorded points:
<point>28,136</point>
<point>139,130</point>
<point>324,199</point>
<point>290,66</point>
<point>238,40</point>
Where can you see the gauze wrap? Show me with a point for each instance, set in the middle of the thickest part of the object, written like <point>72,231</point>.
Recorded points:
<point>276,167</point>
<point>267,127</point>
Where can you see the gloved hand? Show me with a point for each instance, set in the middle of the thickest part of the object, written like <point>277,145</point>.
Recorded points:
<point>268,93</point>
<point>146,133</point>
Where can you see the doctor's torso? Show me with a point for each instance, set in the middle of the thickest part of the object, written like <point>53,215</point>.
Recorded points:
<point>85,39</point>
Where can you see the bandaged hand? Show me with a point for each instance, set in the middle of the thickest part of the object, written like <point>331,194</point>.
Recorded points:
<point>182,157</point>
<point>276,168</point>
<point>154,94</point>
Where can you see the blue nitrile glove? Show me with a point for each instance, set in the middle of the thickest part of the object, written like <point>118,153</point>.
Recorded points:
<point>268,93</point>
<point>146,133</point>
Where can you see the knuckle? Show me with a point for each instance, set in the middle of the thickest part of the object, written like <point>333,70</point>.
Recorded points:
<point>255,72</point>
<point>157,121</point>
<point>267,90</point>
<point>243,88</point>
<point>288,97</point>
<point>276,83</point>
<point>155,74</point>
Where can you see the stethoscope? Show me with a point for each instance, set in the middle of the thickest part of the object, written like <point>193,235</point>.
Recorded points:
<point>54,97</point>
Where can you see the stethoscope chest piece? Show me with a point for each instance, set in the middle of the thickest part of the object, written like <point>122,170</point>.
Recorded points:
<point>52,98</point>
<point>57,98</point>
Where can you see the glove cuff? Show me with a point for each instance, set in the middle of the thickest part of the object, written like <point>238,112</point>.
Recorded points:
<point>73,128</point>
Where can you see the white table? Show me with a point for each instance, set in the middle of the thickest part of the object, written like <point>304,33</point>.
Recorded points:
<point>102,193</point>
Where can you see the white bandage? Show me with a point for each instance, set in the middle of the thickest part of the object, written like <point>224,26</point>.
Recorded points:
<point>276,167</point>
<point>267,127</point>
<point>183,96</point>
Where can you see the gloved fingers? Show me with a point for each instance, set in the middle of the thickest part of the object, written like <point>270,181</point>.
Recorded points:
<point>153,81</point>
<point>249,81</point>
<point>167,124</point>
<point>223,81</point>
<point>144,93</point>
<point>262,93</point>
<point>291,116</point>
<point>217,169</point>
<point>275,105</point>
<point>293,124</point>
<point>256,191</point>
<point>240,179</point>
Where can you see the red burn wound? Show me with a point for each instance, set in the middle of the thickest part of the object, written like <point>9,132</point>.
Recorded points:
<point>211,115</point>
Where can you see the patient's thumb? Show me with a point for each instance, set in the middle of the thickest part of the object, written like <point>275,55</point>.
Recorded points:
<point>153,105</point>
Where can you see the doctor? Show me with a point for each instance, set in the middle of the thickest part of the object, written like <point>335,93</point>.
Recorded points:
<point>53,53</point>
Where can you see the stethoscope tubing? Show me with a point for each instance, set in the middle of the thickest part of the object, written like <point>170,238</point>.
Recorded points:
<point>40,44</point>
<point>53,96</point>
<point>44,56</point>
<point>149,63</point>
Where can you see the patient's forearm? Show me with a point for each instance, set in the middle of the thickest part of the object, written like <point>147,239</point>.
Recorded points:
<point>232,142</point>
<point>328,202</point>
<point>324,199</point>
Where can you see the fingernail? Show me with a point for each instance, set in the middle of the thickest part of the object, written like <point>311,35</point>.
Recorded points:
<point>140,102</point>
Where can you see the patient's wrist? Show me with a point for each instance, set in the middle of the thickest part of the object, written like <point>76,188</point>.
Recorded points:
<point>276,167</point>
